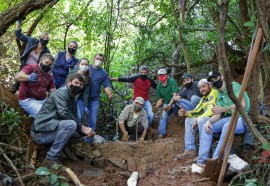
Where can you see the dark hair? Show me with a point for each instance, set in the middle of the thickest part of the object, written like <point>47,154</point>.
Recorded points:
<point>87,74</point>
<point>73,41</point>
<point>144,68</point>
<point>73,76</point>
<point>47,56</point>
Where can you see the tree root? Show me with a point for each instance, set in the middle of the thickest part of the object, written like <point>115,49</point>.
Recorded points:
<point>13,167</point>
<point>12,148</point>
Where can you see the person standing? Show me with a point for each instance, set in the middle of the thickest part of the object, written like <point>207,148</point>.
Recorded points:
<point>33,51</point>
<point>64,63</point>
<point>35,80</point>
<point>99,78</point>
<point>166,89</point>
<point>141,85</point>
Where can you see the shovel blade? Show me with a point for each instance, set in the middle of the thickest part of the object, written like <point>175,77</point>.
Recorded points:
<point>212,169</point>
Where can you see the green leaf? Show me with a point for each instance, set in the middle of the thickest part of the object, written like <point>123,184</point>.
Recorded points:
<point>249,24</point>
<point>53,179</point>
<point>63,183</point>
<point>43,171</point>
<point>250,182</point>
<point>265,146</point>
<point>267,47</point>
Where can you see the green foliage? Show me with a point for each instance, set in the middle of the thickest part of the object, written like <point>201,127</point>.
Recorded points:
<point>10,119</point>
<point>52,179</point>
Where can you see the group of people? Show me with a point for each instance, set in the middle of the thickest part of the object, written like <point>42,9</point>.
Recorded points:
<point>75,87</point>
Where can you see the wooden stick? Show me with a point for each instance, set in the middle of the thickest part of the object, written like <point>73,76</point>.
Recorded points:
<point>240,97</point>
<point>74,178</point>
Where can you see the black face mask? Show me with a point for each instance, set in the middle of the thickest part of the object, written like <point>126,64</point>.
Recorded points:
<point>45,68</point>
<point>43,42</point>
<point>137,108</point>
<point>218,84</point>
<point>143,77</point>
<point>71,50</point>
<point>75,89</point>
<point>188,85</point>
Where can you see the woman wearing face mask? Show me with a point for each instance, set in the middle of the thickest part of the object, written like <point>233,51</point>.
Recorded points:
<point>64,63</point>
<point>82,100</point>
<point>33,51</point>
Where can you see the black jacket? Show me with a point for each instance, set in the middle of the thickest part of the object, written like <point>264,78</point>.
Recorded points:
<point>59,106</point>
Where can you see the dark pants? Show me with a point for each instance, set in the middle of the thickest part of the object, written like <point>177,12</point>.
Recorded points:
<point>131,131</point>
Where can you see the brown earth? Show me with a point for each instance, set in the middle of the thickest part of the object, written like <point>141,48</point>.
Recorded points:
<point>154,160</point>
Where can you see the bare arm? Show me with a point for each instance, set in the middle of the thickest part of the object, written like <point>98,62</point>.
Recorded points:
<point>144,133</point>
<point>108,92</point>
<point>21,76</point>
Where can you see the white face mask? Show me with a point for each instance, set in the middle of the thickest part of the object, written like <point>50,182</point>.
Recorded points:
<point>98,63</point>
<point>83,68</point>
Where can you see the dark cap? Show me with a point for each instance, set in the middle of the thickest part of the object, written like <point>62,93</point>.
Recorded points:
<point>213,73</point>
<point>185,76</point>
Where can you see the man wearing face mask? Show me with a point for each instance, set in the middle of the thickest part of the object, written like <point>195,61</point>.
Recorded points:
<point>57,123</point>
<point>133,121</point>
<point>166,89</point>
<point>64,63</point>
<point>98,78</point>
<point>141,86</point>
<point>35,80</point>
<point>219,122</point>
<point>34,49</point>
<point>190,96</point>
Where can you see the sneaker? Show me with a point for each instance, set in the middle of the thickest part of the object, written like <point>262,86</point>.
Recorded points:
<point>161,136</point>
<point>187,154</point>
<point>52,164</point>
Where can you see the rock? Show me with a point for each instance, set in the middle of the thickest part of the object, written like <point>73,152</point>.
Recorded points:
<point>119,163</point>
<point>87,159</point>
<point>70,154</point>
<point>99,139</point>
<point>99,163</point>
<point>95,172</point>
<point>96,153</point>
<point>131,164</point>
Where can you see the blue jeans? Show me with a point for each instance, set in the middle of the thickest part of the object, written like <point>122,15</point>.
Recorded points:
<point>65,131</point>
<point>148,108</point>
<point>31,106</point>
<point>93,107</point>
<point>163,120</point>
<point>220,126</point>
<point>189,136</point>
<point>186,104</point>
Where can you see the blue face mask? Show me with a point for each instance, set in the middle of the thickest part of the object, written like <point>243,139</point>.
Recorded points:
<point>218,84</point>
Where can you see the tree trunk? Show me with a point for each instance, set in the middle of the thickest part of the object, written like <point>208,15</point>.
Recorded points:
<point>19,11</point>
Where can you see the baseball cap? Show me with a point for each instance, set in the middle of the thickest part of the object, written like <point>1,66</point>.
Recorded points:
<point>186,75</point>
<point>203,81</point>
<point>139,100</point>
<point>162,71</point>
<point>213,73</point>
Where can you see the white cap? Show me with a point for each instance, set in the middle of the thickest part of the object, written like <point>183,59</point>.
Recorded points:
<point>203,81</point>
<point>139,100</point>
<point>162,71</point>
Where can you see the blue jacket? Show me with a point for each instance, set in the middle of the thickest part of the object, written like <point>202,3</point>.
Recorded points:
<point>62,67</point>
<point>30,44</point>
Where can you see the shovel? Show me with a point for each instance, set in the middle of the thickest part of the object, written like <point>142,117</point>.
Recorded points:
<point>216,167</point>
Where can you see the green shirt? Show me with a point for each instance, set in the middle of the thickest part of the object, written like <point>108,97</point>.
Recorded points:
<point>223,99</point>
<point>167,91</point>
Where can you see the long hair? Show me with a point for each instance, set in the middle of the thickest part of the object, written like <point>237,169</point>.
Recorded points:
<point>87,74</point>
